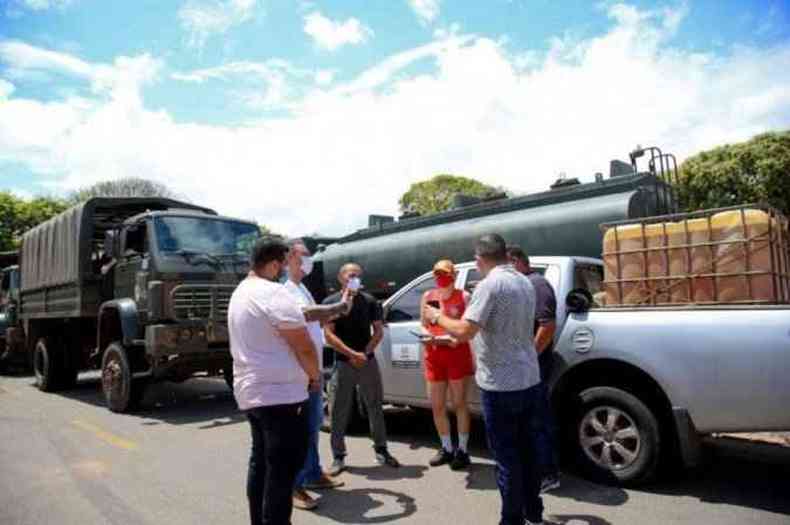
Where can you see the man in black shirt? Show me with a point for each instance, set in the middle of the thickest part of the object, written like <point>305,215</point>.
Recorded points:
<point>545,327</point>
<point>354,338</point>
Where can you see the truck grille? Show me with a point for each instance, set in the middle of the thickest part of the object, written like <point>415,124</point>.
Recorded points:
<point>201,301</point>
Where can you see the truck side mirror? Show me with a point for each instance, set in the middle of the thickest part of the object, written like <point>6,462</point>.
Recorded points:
<point>579,300</point>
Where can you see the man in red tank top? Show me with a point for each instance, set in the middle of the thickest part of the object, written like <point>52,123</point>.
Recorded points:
<point>448,364</point>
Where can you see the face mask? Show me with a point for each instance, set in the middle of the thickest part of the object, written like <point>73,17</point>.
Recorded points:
<point>307,264</point>
<point>444,281</point>
<point>354,284</point>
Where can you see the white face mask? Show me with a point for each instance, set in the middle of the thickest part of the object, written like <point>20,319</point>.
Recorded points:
<point>307,264</point>
<point>354,284</point>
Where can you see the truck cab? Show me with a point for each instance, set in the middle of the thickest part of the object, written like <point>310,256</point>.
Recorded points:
<point>172,276</point>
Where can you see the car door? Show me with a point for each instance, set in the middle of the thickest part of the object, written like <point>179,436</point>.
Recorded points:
<point>400,354</point>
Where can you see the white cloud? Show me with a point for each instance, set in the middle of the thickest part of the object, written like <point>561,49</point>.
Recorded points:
<point>41,5</point>
<point>267,85</point>
<point>426,10</point>
<point>332,35</point>
<point>204,18</point>
<point>6,88</point>
<point>480,110</point>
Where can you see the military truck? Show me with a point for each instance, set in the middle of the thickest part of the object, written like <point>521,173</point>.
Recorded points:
<point>561,221</point>
<point>138,287</point>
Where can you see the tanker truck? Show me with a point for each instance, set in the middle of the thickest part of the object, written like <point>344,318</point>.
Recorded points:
<point>563,221</point>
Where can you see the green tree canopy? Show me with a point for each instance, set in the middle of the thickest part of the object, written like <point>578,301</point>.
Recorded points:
<point>126,187</point>
<point>436,195</point>
<point>18,215</point>
<point>754,171</point>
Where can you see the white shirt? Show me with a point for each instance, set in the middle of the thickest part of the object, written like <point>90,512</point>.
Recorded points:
<point>305,298</point>
<point>265,369</point>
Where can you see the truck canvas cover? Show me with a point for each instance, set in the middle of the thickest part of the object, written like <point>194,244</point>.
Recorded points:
<point>58,251</point>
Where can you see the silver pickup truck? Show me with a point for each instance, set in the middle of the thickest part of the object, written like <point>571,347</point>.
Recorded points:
<point>630,387</point>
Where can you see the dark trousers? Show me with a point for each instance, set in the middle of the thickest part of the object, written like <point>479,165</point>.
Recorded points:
<point>279,448</point>
<point>546,439</point>
<point>512,424</point>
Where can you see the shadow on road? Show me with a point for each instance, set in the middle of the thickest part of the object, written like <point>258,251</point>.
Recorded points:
<point>353,506</point>
<point>378,473</point>
<point>204,401</point>
<point>738,473</point>
<point>575,519</point>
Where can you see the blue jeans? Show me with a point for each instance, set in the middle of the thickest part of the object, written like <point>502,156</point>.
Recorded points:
<point>512,426</point>
<point>312,465</point>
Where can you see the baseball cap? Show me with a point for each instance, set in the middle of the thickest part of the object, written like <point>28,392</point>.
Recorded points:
<point>445,265</point>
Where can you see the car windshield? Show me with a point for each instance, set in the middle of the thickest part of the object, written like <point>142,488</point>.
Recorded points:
<point>204,236</point>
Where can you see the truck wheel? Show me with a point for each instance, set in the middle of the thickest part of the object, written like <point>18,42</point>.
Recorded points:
<point>122,393</point>
<point>47,366</point>
<point>616,436</point>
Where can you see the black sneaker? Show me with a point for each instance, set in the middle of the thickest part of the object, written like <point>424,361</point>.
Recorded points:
<point>383,457</point>
<point>442,457</point>
<point>460,460</point>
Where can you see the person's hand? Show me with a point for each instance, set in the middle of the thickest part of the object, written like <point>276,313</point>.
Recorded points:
<point>429,313</point>
<point>314,385</point>
<point>347,298</point>
<point>358,360</point>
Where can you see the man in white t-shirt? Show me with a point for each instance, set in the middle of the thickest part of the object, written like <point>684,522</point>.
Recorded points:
<point>274,362</point>
<point>312,476</point>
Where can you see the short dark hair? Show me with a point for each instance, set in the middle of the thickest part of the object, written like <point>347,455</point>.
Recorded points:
<point>516,252</point>
<point>267,249</point>
<point>492,247</point>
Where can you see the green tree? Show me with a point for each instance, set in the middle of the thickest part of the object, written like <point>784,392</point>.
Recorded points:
<point>757,170</point>
<point>436,195</point>
<point>125,187</point>
<point>19,215</point>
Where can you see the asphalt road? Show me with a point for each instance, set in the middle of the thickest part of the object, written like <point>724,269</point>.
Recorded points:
<point>65,459</point>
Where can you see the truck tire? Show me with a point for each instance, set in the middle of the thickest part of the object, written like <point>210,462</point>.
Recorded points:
<point>122,392</point>
<point>615,436</point>
<point>48,366</point>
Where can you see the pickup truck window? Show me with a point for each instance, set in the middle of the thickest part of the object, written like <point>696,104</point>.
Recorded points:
<point>407,306</point>
<point>589,277</point>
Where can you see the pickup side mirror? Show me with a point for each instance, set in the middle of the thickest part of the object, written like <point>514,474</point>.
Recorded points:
<point>578,300</point>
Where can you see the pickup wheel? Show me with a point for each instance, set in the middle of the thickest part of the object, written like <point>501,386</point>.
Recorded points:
<point>616,436</point>
<point>122,392</point>
<point>48,366</point>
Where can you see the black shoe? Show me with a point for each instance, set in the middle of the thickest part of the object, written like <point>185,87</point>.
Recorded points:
<point>383,457</point>
<point>460,460</point>
<point>441,458</point>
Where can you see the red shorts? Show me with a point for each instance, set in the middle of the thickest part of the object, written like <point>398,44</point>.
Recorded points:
<point>448,364</point>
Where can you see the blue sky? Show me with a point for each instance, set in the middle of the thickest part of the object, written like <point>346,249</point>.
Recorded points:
<point>289,104</point>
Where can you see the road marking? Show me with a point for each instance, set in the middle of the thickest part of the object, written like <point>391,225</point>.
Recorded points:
<point>105,436</point>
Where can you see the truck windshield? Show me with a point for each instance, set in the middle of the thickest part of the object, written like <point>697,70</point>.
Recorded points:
<point>204,236</point>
